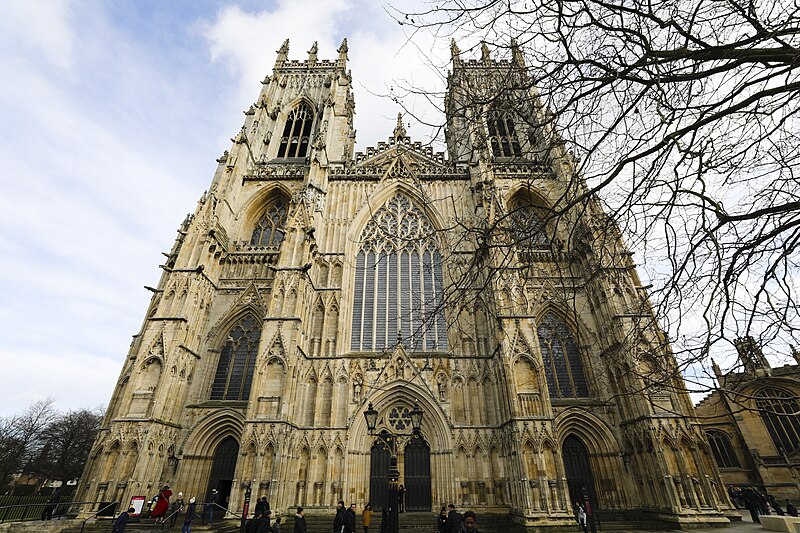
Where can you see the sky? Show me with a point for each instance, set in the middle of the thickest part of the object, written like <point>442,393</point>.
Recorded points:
<point>113,113</point>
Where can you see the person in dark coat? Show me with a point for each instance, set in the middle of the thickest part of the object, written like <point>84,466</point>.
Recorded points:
<point>441,521</point>
<point>791,510</point>
<point>52,503</point>
<point>276,527</point>
<point>753,503</point>
<point>262,506</point>
<point>384,520</point>
<point>401,499</point>
<point>338,520</point>
<point>453,520</point>
<point>300,521</point>
<point>471,522</point>
<point>122,521</point>
<point>350,519</point>
<point>191,512</point>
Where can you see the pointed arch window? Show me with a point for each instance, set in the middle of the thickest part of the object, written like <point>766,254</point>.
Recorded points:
<point>502,135</point>
<point>527,228</point>
<point>779,410</point>
<point>722,450</point>
<point>398,289</point>
<point>269,229</point>
<point>563,366</point>
<point>237,361</point>
<point>297,132</point>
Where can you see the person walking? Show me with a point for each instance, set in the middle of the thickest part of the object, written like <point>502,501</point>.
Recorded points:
<point>384,520</point>
<point>122,521</point>
<point>791,510</point>
<point>453,520</point>
<point>338,520</point>
<point>191,511</point>
<point>350,519</point>
<point>366,517</point>
<point>52,503</point>
<point>262,506</point>
<point>159,512</point>
<point>276,527</point>
<point>581,518</point>
<point>300,521</point>
<point>441,521</point>
<point>471,522</point>
<point>175,508</point>
<point>208,508</point>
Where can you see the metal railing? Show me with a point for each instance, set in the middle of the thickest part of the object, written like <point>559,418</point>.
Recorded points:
<point>105,506</point>
<point>27,511</point>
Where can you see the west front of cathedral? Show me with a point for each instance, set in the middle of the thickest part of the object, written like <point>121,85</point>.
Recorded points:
<point>312,281</point>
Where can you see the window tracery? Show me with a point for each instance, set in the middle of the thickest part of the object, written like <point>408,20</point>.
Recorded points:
<point>398,282</point>
<point>269,229</point>
<point>562,360</point>
<point>722,450</point>
<point>779,410</point>
<point>502,136</point>
<point>237,361</point>
<point>297,132</point>
<point>527,228</point>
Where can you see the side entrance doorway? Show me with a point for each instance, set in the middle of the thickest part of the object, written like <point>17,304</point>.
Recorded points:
<point>418,475</point>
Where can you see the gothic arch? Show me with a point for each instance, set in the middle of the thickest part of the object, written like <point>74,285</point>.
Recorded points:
<point>435,426</point>
<point>203,438</point>
<point>259,202</point>
<point>593,431</point>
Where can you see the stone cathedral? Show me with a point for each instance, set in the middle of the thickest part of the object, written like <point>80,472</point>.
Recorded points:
<point>312,281</point>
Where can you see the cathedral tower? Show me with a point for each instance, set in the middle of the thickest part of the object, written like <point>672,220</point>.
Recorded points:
<point>311,282</point>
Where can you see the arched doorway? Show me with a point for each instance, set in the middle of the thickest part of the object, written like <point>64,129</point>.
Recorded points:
<point>223,469</point>
<point>578,471</point>
<point>379,472</point>
<point>417,478</point>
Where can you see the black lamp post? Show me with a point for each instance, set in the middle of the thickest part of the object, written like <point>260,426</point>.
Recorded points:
<point>371,417</point>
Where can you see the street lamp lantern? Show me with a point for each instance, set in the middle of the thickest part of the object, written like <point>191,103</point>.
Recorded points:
<point>371,416</point>
<point>416,417</point>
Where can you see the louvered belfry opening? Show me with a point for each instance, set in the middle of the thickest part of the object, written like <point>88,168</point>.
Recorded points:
<point>297,132</point>
<point>398,289</point>
<point>502,135</point>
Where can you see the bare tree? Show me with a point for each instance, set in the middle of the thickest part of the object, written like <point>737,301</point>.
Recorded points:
<point>21,437</point>
<point>681,116</point>
<point>66,442</point>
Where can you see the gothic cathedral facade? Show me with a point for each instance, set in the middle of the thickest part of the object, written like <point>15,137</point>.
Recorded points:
<point>312,282</point>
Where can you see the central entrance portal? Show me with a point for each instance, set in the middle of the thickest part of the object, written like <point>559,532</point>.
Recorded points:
<point>222,471</point>
<point>578,470</point>
<point>379,472</point>
<point>418,475</point>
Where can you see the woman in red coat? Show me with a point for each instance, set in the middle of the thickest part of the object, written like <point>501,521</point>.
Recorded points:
<point>159,512</point>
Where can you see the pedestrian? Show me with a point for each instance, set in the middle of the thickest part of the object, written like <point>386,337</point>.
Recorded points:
<point>175,508</point>
<point>471,522</point>
<point>401,499</point>
<point>208,508</point>
<point>366,517</point>
<point>262,506</point>
<point>122,520</point>
<point>189,516</point>
<point>52,503</point>
<point>453,520</point>
<point>775,505</point>
<point>441,520</point>
<point>159,512</point>
<point>350,519</point>
<point>276,527</point>
<point>791,510</point>
<point>753,503</point>
<point>384,520</point>
<point>580,517</point>
<point>300,521</point>
<point>338,520</point>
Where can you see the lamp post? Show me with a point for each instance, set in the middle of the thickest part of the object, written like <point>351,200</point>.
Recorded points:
<point>371,416</point>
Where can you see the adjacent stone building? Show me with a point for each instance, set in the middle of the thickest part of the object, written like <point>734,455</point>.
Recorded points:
<point>312,281</point>
<point>753,423</point>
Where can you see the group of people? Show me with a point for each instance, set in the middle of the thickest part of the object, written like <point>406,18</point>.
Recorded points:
<point>160,509</point>
<point>451,521</point>
<point>759,503</point>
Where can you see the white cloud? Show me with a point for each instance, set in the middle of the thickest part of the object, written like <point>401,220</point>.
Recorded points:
<point>42,28</point>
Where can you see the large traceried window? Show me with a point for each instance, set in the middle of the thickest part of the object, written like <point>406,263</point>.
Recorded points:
<point>237,361</point>
<point>779,410</point>
<point>527,228</point>
<point>269,229</point>
<point>398,289</point>
<point>722,450</point>
<point>563,366</point>
<point>502,136</point>
<point>297,132</point>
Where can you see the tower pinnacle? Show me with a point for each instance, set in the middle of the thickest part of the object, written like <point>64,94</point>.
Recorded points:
<point>399,130</point>
<point>283,53</point>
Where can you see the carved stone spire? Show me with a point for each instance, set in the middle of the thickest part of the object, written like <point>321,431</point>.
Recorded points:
<point>283,53</point>
<point>312,54</point>
<point>485,54</point>
<point>455,53</point>
<point>399,130</point>
<point>516,54</point>
<point>343,51</point>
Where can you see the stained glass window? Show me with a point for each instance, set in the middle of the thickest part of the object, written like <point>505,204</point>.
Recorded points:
<point>502,136</point>
<point>779,410</point>
<point>237,360</point>
<point>297,132</point>
<point>527,228</point>
<point>269,230</point>
<point>398,282</point>
<point>563,366</point>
